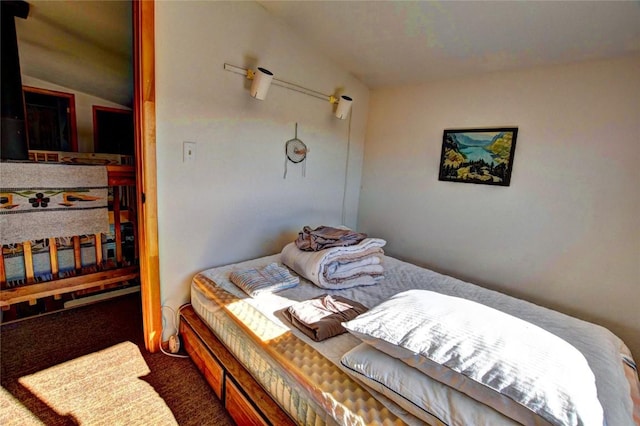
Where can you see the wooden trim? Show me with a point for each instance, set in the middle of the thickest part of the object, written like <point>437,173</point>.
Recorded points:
<point>119,175</point>
<point>66,285</point>
<point>73,128</point>
<point>200,336</point>
<point>144,117</point>
<point>109,109</point>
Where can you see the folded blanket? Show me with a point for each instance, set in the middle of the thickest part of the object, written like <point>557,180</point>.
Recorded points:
<point>321,318</point>
<point>269,279</point>
<point>324,237</point>
<point>337,267</point>
<point>350,266</point>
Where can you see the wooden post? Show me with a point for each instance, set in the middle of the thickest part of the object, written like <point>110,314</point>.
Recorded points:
<point>99,251</point>
<point>77,254</point>
<point>3,272</point>
<point>144,107</point>
<point>28,261</point>
<point>53,257</point>
<point>116,224</point>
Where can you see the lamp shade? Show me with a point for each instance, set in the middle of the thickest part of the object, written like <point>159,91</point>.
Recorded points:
<point>344,106</point>
<point>261,82</point>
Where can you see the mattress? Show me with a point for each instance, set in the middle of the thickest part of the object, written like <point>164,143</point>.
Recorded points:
<point>307,380</point>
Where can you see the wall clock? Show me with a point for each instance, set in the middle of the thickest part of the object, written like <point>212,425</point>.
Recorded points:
<point>296,152</point>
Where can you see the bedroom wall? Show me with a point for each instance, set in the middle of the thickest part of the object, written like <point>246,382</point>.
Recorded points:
<point>566,233</point>
<point>232,203</point>
<point>84,109</point>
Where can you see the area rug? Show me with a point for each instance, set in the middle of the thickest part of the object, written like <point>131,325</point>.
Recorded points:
<point>106,388</point>
<point>80,366</point>
<point>51,200</point>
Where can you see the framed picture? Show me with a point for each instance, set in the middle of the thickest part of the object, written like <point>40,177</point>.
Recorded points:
<point>478,155</point>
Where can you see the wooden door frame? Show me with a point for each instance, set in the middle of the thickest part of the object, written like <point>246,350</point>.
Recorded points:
<point>144,116</point>
<point>71,114</point>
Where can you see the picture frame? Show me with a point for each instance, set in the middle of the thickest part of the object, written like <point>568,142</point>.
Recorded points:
<point>482,156</point>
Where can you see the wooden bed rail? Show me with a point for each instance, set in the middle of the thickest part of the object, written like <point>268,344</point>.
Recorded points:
<point>121,180</point>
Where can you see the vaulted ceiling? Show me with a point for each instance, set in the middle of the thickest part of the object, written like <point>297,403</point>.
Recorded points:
<point>86,45</point>
<point>82,45</point>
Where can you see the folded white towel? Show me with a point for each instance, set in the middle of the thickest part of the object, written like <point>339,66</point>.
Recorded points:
<point>270,279</point>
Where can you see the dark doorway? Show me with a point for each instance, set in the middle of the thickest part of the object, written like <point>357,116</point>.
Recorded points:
<point>51,123</point>
<point>112,130</point>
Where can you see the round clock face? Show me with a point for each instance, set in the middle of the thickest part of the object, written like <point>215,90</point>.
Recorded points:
<point>296,150</point>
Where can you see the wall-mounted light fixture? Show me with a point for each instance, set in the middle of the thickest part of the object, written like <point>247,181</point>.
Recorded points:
<point>263,78</point>
<point>344,105</point>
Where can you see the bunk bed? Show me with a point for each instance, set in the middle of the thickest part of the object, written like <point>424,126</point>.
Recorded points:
<point>51,271</point>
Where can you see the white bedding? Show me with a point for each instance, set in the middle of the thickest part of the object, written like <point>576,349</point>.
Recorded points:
<point>521,370</point>
<point>422,396</point>
<point>602,350</point>
<point>338,267</point>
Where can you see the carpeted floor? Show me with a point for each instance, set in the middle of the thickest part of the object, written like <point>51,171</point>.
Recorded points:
<point>89,366</point>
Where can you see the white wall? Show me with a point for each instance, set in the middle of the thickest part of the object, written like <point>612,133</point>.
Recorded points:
<point>566,233</point>
<point>84,109</point>
<point>232,203</point>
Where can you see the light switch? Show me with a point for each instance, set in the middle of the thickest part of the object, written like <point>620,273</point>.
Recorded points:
<point>188,152</point>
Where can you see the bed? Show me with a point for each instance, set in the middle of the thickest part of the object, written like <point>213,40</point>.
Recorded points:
<point>266,371</point>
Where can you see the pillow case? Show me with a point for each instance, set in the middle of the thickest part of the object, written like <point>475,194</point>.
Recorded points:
<point>513,366</point>
<point>422,396</point>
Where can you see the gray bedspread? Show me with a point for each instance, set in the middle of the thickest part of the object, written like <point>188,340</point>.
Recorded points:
<point>604,351</point>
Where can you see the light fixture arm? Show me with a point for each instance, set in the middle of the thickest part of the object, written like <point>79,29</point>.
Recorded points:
<point>250,75</point>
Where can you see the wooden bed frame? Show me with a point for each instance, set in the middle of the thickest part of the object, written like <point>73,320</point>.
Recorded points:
<point>243,397</point>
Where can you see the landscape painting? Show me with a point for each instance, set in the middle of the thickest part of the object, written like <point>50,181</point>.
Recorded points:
<point>478,155</point>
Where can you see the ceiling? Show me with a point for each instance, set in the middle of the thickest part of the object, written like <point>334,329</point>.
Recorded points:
<point>389,43</point>
<point>86,45</point>
<point>82,45</point>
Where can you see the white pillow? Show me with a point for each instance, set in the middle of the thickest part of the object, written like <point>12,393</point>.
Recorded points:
<point>513,366</point>
<point>425,398</point>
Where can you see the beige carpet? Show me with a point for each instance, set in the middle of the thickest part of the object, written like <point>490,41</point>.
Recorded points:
<point>88,366</point>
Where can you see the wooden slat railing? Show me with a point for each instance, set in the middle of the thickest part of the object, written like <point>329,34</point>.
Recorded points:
<point>122,179</point>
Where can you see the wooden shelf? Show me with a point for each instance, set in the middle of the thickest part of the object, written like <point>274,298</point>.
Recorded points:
<point>65,285</point>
